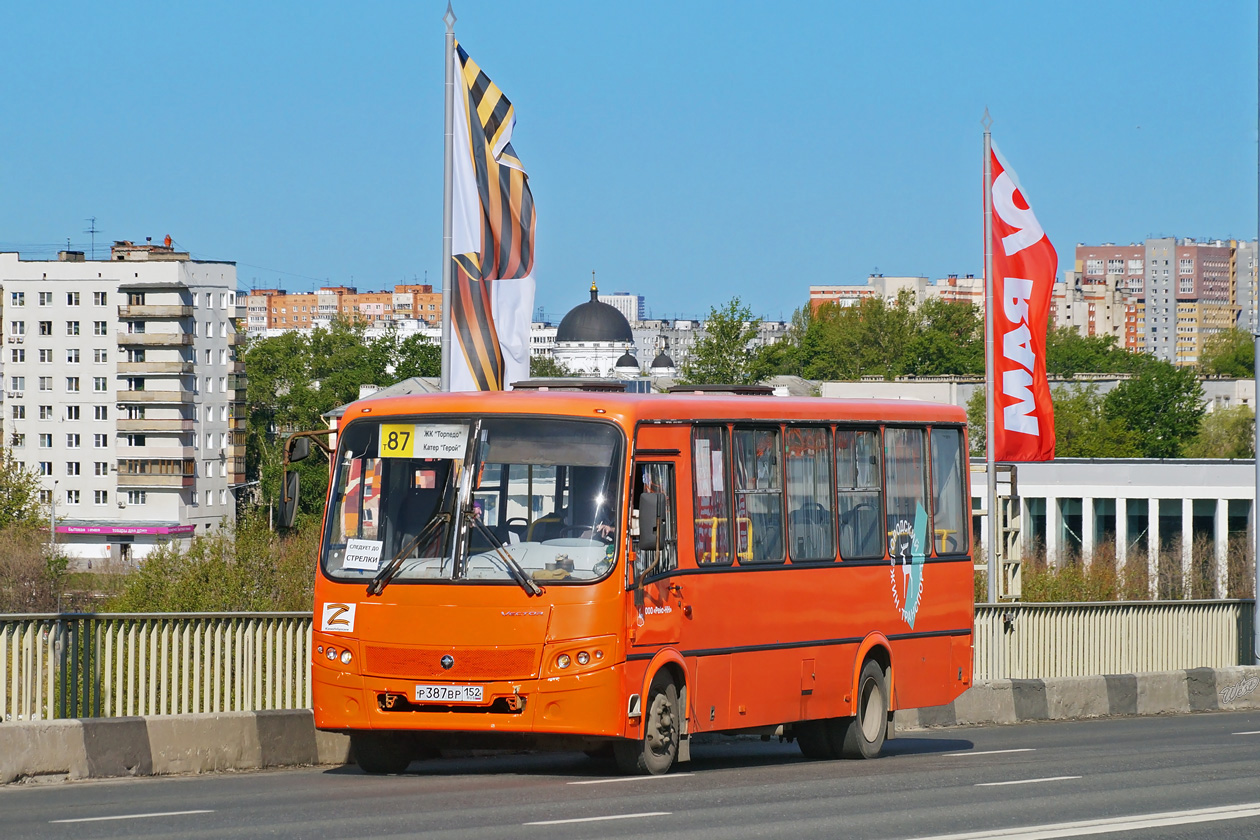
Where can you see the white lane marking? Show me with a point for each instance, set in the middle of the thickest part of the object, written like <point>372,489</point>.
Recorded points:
<point>1253,732</point>
<point>601,819</point>
<point>1027,781</point>
<point>631,779</point>
<point>134,816</point>
<point>994,752</point>
<point>1082,828</point>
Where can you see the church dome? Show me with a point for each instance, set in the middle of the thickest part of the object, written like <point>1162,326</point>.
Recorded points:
<point>594,321</point>
<point>662,361</point>
<point>627,362</point>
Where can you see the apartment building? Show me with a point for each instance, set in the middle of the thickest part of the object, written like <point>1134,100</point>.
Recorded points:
<point>276,309</point>
<point>122,390</point>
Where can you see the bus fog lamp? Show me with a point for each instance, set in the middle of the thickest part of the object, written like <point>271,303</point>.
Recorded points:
<point>332,652</point>
<point>583,658</point>
<point>562,661</point>
<point>345,657</point>
<point>599,654</point>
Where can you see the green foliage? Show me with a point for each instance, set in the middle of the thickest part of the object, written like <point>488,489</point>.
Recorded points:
<point>977,413</point>
<point>19,494</point>
<point>250,569</point>
<point>1229,353</point>
<point>1069,353</point>
<point>1082,429</point>
<point>1162,406</point>
<point>948,339</point>
<point>31,577</point>
<point>547,367</point>
<point>722,356</point>
<point>1225,433</point>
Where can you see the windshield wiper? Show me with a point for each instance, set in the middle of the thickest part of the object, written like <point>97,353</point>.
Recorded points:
<point>501,551</point>
<point>391,569</point>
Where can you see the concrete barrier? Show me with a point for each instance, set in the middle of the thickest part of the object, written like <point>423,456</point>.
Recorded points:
<point>1077,698</point>
<point>205,743</point>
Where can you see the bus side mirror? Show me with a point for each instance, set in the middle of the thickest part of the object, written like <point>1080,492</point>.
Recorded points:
<point>289,496</point>
<point>299,448</point>
<point>651,509</point>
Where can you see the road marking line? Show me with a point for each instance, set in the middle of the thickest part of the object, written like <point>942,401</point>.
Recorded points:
<point>601,819</point>
<point>1254,732</point>
<point>1027,781</point>
<point>133,816</point>
<point>993,752</point>
<point>1109,825</point>
<point>631,779</point>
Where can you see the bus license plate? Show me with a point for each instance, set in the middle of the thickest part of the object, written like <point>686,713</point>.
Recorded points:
<point>448,693</point>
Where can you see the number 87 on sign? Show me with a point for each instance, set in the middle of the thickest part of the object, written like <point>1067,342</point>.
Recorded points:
<point>397,440</point>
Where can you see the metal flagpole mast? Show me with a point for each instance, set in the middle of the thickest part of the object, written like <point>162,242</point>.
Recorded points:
<point>1255,505</point>
<point>991,555</point>
<point>448,162</point>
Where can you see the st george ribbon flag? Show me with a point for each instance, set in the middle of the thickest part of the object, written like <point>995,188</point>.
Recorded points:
<point>1024,266</point>
<point>492,239</point>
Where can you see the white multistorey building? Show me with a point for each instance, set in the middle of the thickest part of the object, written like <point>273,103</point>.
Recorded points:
<point>121,389</point>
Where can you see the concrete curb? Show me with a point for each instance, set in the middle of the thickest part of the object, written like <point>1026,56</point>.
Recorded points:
<point>1077,698</point>
<point>170,744</point>
<point>165,744</point>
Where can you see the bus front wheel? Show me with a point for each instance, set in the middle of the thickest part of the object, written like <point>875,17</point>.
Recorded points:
<point>657,752</point>
<point>863,734</point>
<point>381,753</point>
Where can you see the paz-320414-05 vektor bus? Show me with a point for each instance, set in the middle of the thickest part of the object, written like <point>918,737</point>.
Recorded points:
<point>607,570</point>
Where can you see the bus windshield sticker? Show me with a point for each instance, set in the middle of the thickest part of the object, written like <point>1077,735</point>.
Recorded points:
<point>440,440</point>
<point>363,554</point>
<point>717,471</point>
<point>704,482</point>
<point>907,549</point>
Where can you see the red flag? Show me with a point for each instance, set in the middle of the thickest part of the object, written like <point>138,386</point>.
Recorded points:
<point>1024,265</point>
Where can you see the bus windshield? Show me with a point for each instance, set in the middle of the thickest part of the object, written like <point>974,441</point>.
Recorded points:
<point>478,499</point>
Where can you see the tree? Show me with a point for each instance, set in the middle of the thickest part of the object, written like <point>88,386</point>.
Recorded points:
<point>1069,353</point>
<point>1225,433</point>
<point>548,367</point>
<point>977,415</point>
<point>722,356</point>
<point>1229,353</point>
<point>19,494</point>
<point>1162,406</point>
<point>949,339</point>
<point>1082,429</point>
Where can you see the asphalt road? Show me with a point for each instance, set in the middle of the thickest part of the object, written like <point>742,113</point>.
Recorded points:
<point>1195,776</point>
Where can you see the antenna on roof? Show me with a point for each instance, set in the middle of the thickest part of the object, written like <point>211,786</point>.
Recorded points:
<point>92,230</point>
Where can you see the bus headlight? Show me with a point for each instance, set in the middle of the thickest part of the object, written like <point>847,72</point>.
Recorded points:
<point>345,657</point>
<point>583,658</point>
<point>332,653</point>
<point>562,661</point>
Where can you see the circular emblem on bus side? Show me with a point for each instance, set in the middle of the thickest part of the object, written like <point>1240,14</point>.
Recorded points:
<point>448,662</point>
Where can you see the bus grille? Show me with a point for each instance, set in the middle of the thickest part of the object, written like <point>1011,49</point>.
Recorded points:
<point>470,663</point>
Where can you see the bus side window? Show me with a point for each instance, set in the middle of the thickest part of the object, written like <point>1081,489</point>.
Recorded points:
<point>906,489</point>
<point>657,479</point>
<point>811,515</point>
<point>860,506</point>
<point>758,496</point>
<point>948,508</point>
<point>712,509</point>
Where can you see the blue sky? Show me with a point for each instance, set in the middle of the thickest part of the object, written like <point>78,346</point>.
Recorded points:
<point>687,151</point>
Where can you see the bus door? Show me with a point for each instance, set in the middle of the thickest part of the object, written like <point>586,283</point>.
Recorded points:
<point>656,607</point>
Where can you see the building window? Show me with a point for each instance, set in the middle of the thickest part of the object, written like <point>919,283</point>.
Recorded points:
<point>17,327</point>
<point>45,441</point>
<point>72,384</point>
<point>45,327</point>
<point>100,441</point>
<point>98,328</point>
<point>18,298</point>
<point>136,497</point>
<point>18,440</point>
<point>72,441</point>
<point>72,327</point>
<point>100,497</point>
<point>100,355</point>
<point>100,412</point>
<point>135,439</point>
<point>135,383</point>
<point>45,298</point>
<point>72,298</point>
<point>45,412</point>
<point>72,497</point>
<point>18,355</point>
<point>45,356</point>
<point>72,468</point>
<point>135,298</point>
<point>45,497</point>
<point>72,412</point>
<point>100,384</point>
<point>72,356</point>
<point>45,383</point>
<point>101,468</point>
<point>45,467</point>
<point>98,298</point>
<point>18,412</point>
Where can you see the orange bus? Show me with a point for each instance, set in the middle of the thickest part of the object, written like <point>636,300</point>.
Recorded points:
<point>619,572</point>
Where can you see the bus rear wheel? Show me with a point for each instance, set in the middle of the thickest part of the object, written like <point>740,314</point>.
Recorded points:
<point>862,736</point>
<point>381,753</point>
<point>657,752</point>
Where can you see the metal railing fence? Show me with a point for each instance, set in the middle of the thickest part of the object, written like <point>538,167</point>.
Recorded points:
<point>1117,637</point>
<point>110,665</point>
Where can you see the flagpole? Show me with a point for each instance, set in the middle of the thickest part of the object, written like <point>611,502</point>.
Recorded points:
<point>992,554</point>
<point>448,161</point>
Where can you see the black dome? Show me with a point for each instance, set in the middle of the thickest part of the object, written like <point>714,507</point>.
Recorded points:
<point>627,360</point>
<point>662,361</point>
<point>594,321</point>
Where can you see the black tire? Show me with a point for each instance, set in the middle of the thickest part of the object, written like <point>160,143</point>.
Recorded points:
<point>862,736</point>
<point>381,753</point>
<point>662,729</point>
<point>814,737</point>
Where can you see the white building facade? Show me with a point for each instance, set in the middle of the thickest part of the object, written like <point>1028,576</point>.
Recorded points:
<point>121,389</point>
